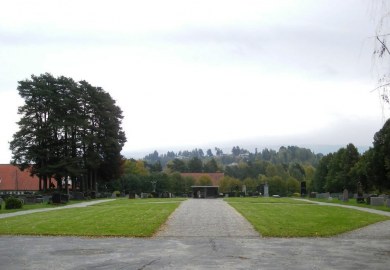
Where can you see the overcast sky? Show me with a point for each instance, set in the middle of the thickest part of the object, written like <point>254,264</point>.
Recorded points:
<point>193,73</point>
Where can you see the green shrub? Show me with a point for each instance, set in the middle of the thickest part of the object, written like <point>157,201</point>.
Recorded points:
<point>13,203</point>
<point>296,194</point>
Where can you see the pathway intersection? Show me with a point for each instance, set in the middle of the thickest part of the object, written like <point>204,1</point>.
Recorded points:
<point>207,218</point>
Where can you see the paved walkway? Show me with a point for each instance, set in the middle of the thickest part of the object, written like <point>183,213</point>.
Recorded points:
<point>207,218</point>
<point>83,204</point>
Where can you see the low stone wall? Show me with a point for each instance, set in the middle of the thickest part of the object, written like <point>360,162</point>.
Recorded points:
<point>381,200</point>
<point>325,195</point>
<point>377,201</point>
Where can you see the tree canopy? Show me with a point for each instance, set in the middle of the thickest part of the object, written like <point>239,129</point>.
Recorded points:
<point>67,130</point>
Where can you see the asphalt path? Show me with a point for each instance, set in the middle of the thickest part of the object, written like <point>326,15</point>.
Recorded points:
<point>366,248</point>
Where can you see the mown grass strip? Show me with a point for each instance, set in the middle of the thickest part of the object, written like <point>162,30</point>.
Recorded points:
<point>36,206</point>
<point>352,202</point>
<point>117,218</point>
<point>266,200</point>
<point>300,220</point>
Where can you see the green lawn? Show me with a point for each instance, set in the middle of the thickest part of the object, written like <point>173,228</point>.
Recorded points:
<point>122,217</point>
<point>36,206</point>
<point>294,219</point>
<point>263,200</point>
<point>353,203</point>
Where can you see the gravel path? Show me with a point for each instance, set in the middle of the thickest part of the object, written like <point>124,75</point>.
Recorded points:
<point>207,218</point>
<point>83,204</point>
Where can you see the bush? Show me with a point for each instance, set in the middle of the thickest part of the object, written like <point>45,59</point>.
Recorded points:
<point>13,203</point>
<point>296,194</point>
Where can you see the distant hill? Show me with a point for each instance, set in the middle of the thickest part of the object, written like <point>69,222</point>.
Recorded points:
<point>317,149</point>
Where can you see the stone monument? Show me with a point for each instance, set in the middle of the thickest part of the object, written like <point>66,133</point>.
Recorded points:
<point>345,195</point>
<point>154,183</point>
<point>360,197</point>
<point>266,193</point>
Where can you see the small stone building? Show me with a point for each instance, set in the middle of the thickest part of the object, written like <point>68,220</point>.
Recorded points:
<point>205,192</point>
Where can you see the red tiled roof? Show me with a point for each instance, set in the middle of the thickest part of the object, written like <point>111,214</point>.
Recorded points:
<point>215,177</point>
<point>13,179</point>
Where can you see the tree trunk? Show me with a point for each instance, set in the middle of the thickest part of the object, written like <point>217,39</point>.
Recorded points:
<point>66,185</point>
<point>45,183</point>
<point>74,183</point>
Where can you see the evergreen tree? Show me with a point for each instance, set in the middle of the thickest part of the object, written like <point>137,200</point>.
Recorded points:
<point>195,165</point>
<point>68,130</point>
<point>381,158</point>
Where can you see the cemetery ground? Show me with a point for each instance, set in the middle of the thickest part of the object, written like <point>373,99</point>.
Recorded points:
<point>271,217</point>
<point>285,217</point>
<point>121,217</point>
<point>36,206</point>
<point>352,202</point>
<point>368,247</point>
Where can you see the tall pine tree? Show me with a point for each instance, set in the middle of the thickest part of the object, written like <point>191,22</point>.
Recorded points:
<point>68,130</point>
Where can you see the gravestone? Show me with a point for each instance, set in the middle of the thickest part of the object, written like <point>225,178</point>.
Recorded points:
<point>325,195</point>
<point>303,189</point>
<point>345,195</point>
<point>56,198</point>
<point>38,199</point>
<point>22,198</point>
<point>387,203</point>
<point>78,195</point>
<point>30,200</point>
<point>266,192</point>
<point>368,199</point>
<point>64,198</point>
<point>359,195</point>
<point>46,198</point>
<point>244,189</point>
<point>60,198</point>
<point>377,201</point>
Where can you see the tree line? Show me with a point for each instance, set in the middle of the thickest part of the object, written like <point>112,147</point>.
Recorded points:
<point>68,130</point>
<point>285,155</point>
<point>139,176</point>
<point>282,179</point>
<point>346,168</point>
<point>283,170</point>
